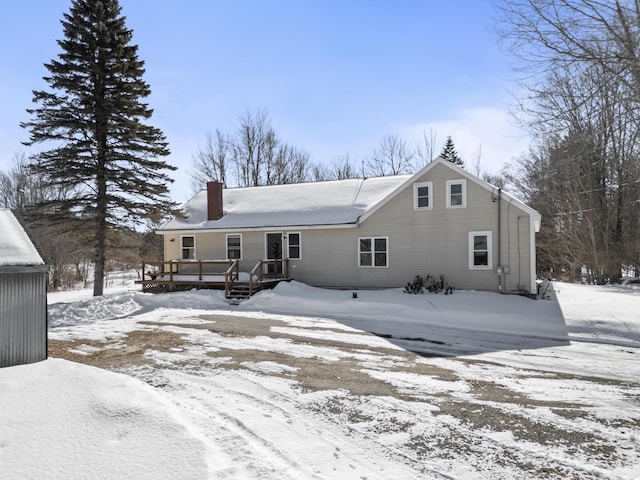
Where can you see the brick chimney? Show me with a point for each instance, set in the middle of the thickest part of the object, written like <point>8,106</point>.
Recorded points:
<point>214,200</point>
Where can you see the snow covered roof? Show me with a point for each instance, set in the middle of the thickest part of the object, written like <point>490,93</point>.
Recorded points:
<point>15,246</point>
<point>332,203</point>
<point>336,202</point>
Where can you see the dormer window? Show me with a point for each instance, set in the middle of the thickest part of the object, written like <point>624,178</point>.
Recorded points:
<point>422,196</point>
<point>456,194</point>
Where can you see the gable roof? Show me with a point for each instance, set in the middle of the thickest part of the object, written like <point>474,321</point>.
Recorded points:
<point>308,205</point>
<point>16,248</point>
<point>332,203</point>
<point>535,216</point>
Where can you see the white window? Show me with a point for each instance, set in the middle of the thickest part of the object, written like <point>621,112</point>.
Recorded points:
<point>373,252</point>
<point>188,247</point>
<point>234,246</point>
<point>422,194</point>
<point>480,248</point>
<point>294,241</point>
<point>456,194</point>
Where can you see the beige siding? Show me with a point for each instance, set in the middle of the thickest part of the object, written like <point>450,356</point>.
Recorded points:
<point>436,241</point>
<point>420,242</point>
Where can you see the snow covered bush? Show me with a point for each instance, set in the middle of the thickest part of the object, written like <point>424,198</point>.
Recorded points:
<point>419,285</point>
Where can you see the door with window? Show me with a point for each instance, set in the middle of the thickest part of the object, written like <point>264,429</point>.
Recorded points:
<point>274,252</point>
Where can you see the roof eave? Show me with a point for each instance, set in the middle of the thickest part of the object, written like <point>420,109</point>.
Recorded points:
<point>191,229</point>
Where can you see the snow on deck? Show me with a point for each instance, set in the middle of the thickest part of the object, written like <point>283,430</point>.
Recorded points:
<point>196,278</point>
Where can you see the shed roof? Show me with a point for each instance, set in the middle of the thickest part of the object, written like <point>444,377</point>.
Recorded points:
<point>16,248</point>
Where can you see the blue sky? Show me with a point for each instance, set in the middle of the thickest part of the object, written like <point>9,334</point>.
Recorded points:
<point>336,76</point>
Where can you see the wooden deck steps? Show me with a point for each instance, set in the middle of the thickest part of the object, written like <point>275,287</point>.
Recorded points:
<point>242,291</point>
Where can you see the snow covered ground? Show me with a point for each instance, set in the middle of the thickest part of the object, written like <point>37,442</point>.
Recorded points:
<point>300,383</point>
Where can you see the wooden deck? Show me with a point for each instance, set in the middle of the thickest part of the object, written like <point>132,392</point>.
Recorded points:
<point>180,275</point>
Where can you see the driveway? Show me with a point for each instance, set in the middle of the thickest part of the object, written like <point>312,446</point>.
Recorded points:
<point>442,417</point>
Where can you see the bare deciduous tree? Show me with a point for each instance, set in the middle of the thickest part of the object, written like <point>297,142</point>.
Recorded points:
<point>546,33</point>
<point>340,169</point>
<point>254,139</point>
<point>211,162</point>
<point>20,188</point>
<point>63,246</point>
<point>426,149</point>
<point>392,157</point>
<point>254,155</point>
<point>583,82</point>
<point>287,165</point>
<point>343,169</point>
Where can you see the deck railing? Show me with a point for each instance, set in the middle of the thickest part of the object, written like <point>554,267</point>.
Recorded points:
<point>188,272</point>
<point>168,271</point>
<point>280,268</point>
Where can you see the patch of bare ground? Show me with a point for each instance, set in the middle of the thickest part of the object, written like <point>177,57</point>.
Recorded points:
<point>232,326</point>
<point>313,374</point>
<point>527,373</point>
<point>116,353</point>
<point>481,416</point>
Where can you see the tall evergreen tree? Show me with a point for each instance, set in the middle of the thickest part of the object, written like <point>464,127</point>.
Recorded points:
<point>449,153</point>
<point>94,118</point>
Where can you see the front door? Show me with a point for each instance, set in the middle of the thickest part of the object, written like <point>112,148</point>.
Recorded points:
<point>274,252</point>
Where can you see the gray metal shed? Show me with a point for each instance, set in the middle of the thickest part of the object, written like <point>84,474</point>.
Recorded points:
<point>23,296</point>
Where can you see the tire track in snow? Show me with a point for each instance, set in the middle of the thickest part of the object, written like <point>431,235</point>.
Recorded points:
<point>320,453</point>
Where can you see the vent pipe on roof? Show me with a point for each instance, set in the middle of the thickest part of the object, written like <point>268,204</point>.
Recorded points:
<point>214,200</point>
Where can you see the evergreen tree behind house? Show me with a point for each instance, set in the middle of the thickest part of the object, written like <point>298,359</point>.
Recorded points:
<point>450,154</point>
<point>93,121</point>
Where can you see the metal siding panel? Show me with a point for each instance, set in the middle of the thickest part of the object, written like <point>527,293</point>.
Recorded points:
<point>4,324</point>
<point>23,318</point>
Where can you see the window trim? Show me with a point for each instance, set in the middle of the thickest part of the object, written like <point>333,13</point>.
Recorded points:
<point>182,247</point>
<point>226,243</point>
<point>299,245</point>
<point>373,252</point>
<point>472,251</point>
<point>462,182</point>
<point>418,185</point>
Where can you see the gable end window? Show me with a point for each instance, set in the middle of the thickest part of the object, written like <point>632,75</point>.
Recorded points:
<point>234,246</point>
<point>422,194</point>
<point>188,247</point>
<point>295,246</point>
<point>373,252</point>
<point>456,194</point>
<point>480,251</point>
